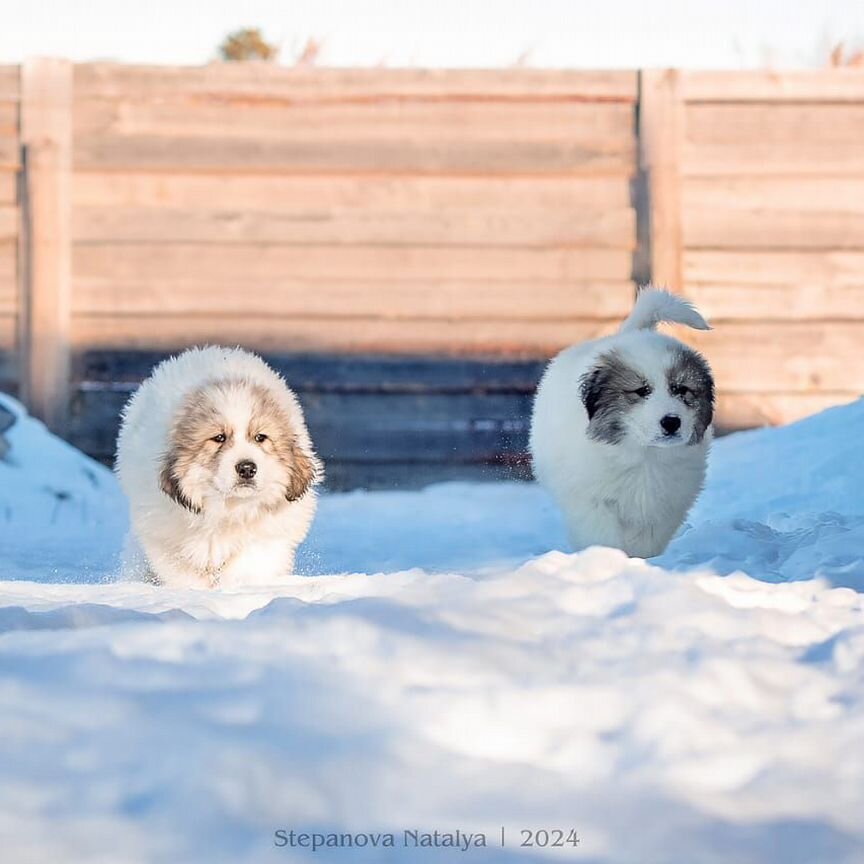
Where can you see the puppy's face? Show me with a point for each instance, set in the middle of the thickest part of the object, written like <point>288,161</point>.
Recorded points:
<point>234,442</point>
<point>659,397</point>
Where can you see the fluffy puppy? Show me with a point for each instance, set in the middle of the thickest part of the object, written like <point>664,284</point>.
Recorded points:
<point>216,461</point>
<point>621,430</point>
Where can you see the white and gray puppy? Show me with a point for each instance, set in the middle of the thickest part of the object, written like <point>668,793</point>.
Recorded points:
<point>217,464</point>
<point>621,430</point>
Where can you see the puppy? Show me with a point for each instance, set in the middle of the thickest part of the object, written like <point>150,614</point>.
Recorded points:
<point>216,461</point>
<point>621,430</point>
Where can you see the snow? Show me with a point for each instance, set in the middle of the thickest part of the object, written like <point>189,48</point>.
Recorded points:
<point>438,667</point>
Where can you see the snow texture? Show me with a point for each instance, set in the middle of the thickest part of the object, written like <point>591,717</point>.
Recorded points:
<point>443,669</point>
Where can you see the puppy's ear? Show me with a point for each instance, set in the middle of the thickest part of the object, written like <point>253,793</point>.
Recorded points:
<point>170,484</point>
<point>593,383</point>
<point>304,471</point>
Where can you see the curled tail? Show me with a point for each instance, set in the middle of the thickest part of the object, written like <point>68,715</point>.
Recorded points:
<point>654,305</point>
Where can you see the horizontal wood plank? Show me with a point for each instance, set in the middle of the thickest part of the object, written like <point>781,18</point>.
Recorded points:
<point>591,228</point>
<point>258,264</point>
<point>452,155</point>
<point>352,335</point>
<point>373,193</point>
<point>10,155</point>
<point>711,228</point>
<point>10,82</point>
<point>803,301</point>
<point>8,223</point>
<point>774,268</point>
<point>608,125</point>
<point>746,410</point>
<point>407,299</point>
<point>801,194</point>
<point>8,187</point>
<point>771,139</point>
<point>816,85</point>
<point>8,118</point>
<point>264,81</point>
<point>8,332</point>
<point>8,277</point>
<point>794,357</point>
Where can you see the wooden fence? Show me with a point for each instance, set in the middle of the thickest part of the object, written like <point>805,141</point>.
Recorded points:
<point>408,246</point>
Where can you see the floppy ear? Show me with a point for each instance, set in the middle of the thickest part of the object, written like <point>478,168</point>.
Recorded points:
<point>593,383</point>
<point>170,484</point>
<point>304,471</point>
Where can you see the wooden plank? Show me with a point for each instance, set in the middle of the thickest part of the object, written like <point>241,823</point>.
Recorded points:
<point>8,332</point>
<point>8,118</point>
<point>257,264</point>
<point>395,299</point>
<point>746,410</point>
<point>46,95</point>
<point>841,194</point>
<point>591,228</point>
<point>122,372</point>
<point>353,335</point>
<point>661,127</point>
<point>10,87</point>
<point>347,192</point>
<point>816,85</point>
<point>801,357</point>
<point>802,301</point>
<point>363,155</point>
<point>8,223</point>
<point>712,228</point>
<point>820,268</point>
<point>8,187</point>
<point>217,117</point>
<point>759,139</point>
<point>10,155</point>
<point>264,81</point>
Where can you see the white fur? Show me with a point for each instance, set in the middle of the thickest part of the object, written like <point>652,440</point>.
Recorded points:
<point>633,495</point>
<point>233,540</point>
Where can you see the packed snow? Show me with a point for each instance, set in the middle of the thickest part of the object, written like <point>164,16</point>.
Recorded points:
<point>442,664</point>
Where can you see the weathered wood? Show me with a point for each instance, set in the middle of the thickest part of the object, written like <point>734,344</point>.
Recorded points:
<point>816,85</point>
<point>746,410</point>
<point>10,155</point>
<point>8,188</point>
<point>591,228</point>
<point>8,224</point>
<point>820,268</point>
<point>706,227</point>
<point>8,331</point>
<point>392,299</point>
<point>9,118</point>
<point>352,335</point>
<point>46,93</point>
<point>661,127</point>
<point>779,139</point>
<point>454,155</point>
<point>9,287</point>
<point>790,357</point>
<point>256,264</point>
<point>349,192</point>
<point>800,194</point>
<point>10,86</point>
<point>285,83</point>
<point>122,371</point>
<point>804,301</point>
<point>609,126</point>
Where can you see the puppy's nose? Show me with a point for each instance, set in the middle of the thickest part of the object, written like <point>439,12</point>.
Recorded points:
<point>670,424</point>
<point>246,469</point>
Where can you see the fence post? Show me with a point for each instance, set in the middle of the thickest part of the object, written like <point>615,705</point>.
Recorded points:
<point>45,263</point>
<point>661,132</point>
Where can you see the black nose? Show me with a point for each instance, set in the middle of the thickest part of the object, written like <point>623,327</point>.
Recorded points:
<point>246,469</point>
<point>670,424</point>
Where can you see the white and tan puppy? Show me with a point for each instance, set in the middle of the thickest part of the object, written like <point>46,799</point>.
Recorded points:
<point>622,427</point>
<point>219,470</point>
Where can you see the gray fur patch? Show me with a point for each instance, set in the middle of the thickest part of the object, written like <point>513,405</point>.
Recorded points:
<point>689,379</point>
<point>608,392</point>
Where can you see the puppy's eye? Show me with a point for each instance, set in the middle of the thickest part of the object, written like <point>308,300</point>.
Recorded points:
<point>642,392</point>
<point>680,390</point>
<point>260,438</point>
<point>219,439</point>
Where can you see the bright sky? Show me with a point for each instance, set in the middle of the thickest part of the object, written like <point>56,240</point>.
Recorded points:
<point>601,33</point>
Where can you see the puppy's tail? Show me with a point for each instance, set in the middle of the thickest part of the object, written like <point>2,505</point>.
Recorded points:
<point>654,305</point>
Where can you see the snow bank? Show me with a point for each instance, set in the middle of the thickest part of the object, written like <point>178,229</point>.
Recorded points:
<point>467,678</point>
